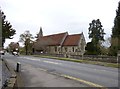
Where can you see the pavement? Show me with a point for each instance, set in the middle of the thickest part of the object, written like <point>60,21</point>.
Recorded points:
<point>0,73</point>
<point>37,77</point>
<point>8,75</point>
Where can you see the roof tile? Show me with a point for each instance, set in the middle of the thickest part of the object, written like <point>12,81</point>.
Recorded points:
<point>54,39</point>
<point>72,40</point>
<point>57,39</point>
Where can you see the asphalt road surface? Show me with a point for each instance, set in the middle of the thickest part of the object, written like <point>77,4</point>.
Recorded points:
<point>104,76</point>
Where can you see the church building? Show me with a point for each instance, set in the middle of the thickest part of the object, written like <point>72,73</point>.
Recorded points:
<point>60,43</point>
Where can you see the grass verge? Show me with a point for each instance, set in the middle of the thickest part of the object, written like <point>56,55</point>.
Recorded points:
<point>114,65</point>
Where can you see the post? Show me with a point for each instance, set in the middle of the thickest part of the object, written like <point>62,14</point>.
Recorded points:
<point>0,28</point>
<point>82,56</point>
<point>1,77</point>
<point>18,67</point>
<point>118,55</point>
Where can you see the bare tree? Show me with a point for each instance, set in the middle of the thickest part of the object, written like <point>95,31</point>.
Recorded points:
<point>107,42</point>
<point>26,39</point>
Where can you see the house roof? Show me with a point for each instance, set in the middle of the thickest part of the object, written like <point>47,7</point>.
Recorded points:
<point>72,40</point>
<point>54,39</point>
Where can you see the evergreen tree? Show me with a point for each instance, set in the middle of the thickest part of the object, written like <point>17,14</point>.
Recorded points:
<point>115,42</point>
<point>96,33</point>
<point>7,30</point>
<point>116,28</point>
<point>89,48</point>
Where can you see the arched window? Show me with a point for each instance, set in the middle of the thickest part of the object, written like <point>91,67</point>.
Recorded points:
<point>65,49</point>
<point>73,49</point>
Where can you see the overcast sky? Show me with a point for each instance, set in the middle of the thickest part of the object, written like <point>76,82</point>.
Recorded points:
<point>56,16</point>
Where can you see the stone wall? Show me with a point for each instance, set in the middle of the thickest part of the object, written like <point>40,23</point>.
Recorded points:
<point>108,59</point>
<point>74,50</point>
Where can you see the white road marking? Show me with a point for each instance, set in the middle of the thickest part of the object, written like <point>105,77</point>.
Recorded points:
<point>40,60</point>
<point>52,62</point>
<point>99,70</point>
<point>30,58</point>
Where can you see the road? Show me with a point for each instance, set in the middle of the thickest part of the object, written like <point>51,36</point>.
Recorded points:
<point>104,76</point>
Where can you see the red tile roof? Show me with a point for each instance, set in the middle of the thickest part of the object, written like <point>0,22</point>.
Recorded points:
<point>72,40</point>
<point>55,39</point>
<point>62,39</point>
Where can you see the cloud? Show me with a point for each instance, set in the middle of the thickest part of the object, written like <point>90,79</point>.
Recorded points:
<point>57,16</point>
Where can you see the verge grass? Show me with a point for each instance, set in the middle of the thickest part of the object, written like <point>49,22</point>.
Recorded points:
<point>114,65</point>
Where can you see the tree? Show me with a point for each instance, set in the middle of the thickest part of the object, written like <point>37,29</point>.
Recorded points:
<point>107,42</point>
<point>89,48</point>
<point>42,44</point>
<point>115,42</point>
<point>116,28</point>
<point>105,46</point>
<point>96,33</point>
<point>14,46</point>
<point>26,39</point>
<point>7,30</point>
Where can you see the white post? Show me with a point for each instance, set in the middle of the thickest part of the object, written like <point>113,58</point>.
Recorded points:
<point>118,55</point>
<point>117,59</point>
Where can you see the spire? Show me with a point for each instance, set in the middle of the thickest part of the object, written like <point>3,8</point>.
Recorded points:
<point>40,34</point>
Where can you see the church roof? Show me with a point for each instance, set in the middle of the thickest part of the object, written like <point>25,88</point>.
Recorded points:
<point>60,39</point>
<point>55,39</point>
<point>72,40</point>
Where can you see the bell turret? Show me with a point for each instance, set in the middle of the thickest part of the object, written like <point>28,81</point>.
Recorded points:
<point>40,34</point>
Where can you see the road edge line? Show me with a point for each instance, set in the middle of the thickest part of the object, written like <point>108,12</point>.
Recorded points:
<point>77,79</point>
<point>84,81</point>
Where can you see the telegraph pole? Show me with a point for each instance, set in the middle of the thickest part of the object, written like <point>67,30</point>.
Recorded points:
<point>0,29</point>
<point>0,46</point>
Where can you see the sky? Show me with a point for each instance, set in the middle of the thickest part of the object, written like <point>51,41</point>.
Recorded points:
<point>57,16</point>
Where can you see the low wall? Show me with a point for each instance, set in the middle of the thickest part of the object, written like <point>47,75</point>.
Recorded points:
<point>101,58</point>
<point>109,59</point>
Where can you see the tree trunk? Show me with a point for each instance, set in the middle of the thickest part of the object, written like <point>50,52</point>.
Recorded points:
<point>26,49</point>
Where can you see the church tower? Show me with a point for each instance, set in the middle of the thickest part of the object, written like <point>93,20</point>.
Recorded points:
<point>40,34</point>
